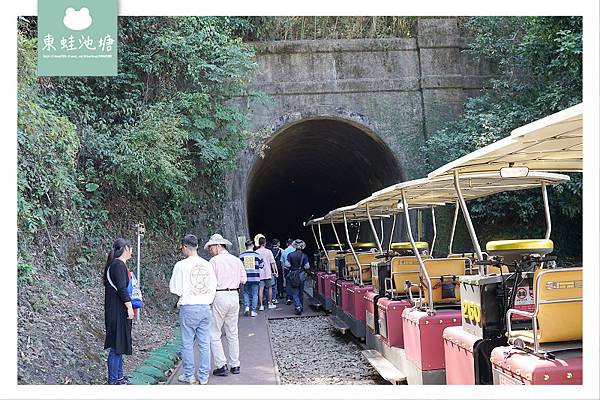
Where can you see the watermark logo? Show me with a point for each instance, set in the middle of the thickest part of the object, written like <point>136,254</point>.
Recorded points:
<point>77,20</point>
<point>77,37</point>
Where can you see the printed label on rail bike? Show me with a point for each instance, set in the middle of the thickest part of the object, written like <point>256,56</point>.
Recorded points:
<point>370,319</point>
<point>382,326</point>
<point>504,379</point>
<point>523,302</point>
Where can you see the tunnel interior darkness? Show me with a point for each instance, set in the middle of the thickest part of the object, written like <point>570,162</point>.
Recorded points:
<point>310,168</point>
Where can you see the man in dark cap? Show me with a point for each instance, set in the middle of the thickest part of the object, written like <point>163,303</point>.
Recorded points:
<point>296,266</point>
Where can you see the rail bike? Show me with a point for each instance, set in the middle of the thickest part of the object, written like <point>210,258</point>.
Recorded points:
<point>509,315</point>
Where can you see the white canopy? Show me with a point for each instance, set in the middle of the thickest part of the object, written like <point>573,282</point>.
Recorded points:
<point>353,213</point>
<point>428,192</point>
<point>553,143</point>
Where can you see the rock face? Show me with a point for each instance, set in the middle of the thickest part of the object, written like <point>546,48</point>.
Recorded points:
<point>308,351</point>
<point>395,91</point>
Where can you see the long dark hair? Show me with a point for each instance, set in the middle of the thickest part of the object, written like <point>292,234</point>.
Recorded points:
<point>116,251</point>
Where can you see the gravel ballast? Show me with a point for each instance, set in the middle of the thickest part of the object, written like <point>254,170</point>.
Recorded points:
<point>309,351</point>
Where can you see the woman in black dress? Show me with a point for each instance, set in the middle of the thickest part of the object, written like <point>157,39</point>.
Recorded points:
<point>118,311</point>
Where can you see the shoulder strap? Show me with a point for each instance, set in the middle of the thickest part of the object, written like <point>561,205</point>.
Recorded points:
<point>110,280</point>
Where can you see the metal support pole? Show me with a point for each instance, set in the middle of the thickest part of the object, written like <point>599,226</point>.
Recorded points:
<point>434,230</point>
<point>382,233</point>
<point>352,248</point>
<point>419,225</point>
<point>312,228</point>
<point>392,234</point>
<point>321,238</point>
<point>374,230</point>
<point>416,251</point>
<point>454,221</point>
<point>336,235</point>
<point>466,215</point>
<point>546,211</point>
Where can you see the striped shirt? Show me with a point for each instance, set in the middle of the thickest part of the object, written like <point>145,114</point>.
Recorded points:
<point>252,264</point>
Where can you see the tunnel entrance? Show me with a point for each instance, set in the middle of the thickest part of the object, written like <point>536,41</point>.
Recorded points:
<point>310,168</point>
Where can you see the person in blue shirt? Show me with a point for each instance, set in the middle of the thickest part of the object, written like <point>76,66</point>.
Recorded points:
<point>284,254</point>
<point>296,266</point>
<point>253,263</point>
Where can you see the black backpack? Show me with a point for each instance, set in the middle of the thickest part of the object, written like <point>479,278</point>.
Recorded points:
<point>293,277</point>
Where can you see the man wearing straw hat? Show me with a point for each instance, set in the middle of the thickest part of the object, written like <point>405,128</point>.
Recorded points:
<point>230,273</point>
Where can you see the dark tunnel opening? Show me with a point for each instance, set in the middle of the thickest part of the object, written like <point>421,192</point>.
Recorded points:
<point>311,168</point>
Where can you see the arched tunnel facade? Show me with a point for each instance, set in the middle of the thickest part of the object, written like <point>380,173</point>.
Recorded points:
<point>311,167</point>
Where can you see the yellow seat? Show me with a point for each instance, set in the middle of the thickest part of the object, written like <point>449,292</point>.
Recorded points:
<point>558,301</point>
<point>529,245</point>
<point>405,268</point>
<point>365,260</point>
<point>512,250</point>
<point>408,246</point>
<point>364,246</point>
<point>446,268</point>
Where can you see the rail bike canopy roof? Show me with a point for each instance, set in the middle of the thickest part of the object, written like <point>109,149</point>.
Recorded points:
<point>553,143</point>
<point>315,221</point>
<point>428,192</point>
<point>355,213</point>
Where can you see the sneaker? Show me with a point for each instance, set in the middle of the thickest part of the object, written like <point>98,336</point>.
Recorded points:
<point>272,306</point>
<point>261,308</point>
<point>275,301</point>
<point>221,371</point>
<point>253,314</point>
<point>298,311</point>
<point>288,302</point>
<point>235,370</point>
<point>204,383</point>
<point>247,311</point>
<point>191,380</point>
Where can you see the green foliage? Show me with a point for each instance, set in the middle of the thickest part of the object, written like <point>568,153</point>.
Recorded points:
<point>178,76</point>
<point>326,27</point>
<point>47,150</point>
<point>538,62</point>
<point>123,148</point>
<point>25,271</point>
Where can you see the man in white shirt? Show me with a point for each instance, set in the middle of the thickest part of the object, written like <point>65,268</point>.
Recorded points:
<point>230,273</point>
<point>195,283</point>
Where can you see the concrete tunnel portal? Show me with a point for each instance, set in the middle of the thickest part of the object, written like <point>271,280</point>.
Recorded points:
<point>310,168</point>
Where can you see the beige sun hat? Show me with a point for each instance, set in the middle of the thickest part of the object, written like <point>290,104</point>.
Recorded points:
<point>217,239</point>
<point>257,238</point>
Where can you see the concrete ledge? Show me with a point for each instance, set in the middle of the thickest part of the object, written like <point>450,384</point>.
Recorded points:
<point>339,86</point>
<point>334,45</point>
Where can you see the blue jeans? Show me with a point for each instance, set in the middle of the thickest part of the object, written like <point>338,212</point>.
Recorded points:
<point>195,320</point>
<point>115,366</point>
<point>251,289</point>
<point>274,286</point>
<point>298,295</point>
